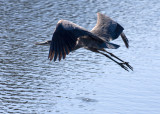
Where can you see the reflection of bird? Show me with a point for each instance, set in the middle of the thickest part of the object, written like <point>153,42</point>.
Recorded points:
<point>68,37</point>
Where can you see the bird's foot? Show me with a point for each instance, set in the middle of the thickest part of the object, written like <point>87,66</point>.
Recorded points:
<point>124,67</point>
<point>127,64</point>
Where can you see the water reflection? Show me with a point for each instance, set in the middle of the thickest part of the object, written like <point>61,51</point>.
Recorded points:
<point>87,99</point>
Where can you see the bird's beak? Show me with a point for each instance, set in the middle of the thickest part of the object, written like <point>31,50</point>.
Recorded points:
<point>44,43</point>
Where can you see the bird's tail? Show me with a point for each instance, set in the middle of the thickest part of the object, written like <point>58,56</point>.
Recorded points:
<point>109,45</point>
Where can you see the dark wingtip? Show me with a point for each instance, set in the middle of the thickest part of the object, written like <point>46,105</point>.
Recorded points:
<point>125,40</point>
<point>51,55</point>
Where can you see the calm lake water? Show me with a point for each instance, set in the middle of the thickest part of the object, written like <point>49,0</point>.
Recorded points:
<point>85,82</point>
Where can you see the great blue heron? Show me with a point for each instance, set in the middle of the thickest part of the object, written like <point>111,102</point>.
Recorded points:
<point>68,37</point>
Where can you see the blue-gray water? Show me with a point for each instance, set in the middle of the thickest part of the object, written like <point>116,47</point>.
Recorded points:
<point>85,82</point>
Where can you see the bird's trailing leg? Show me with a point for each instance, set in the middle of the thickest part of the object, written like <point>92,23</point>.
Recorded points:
<point>123,62</point>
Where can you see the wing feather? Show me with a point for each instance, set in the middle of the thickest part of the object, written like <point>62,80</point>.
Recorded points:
<point>64,39</point>
<point>55,49</point>
<point>108,29</point>
<point>59,48</point>
<point>62,49</point>
<point>125,40</point>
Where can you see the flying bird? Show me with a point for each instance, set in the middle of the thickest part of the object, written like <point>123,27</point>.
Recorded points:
<point>68,37</point>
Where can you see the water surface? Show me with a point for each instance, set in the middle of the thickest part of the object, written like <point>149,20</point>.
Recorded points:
<point>85,82</point>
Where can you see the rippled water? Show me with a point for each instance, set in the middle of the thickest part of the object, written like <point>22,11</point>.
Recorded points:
<point>84,83</point>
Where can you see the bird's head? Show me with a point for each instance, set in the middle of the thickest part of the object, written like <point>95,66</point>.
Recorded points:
<point>46,43</point>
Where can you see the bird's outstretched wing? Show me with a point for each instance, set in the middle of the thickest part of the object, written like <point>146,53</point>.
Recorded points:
<point>108,29</point>
<point>64,39</point>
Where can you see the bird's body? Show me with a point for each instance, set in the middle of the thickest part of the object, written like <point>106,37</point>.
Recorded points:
<point>68,37</point>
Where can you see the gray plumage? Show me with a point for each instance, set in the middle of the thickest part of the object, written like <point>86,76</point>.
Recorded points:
<point>69,36</point>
